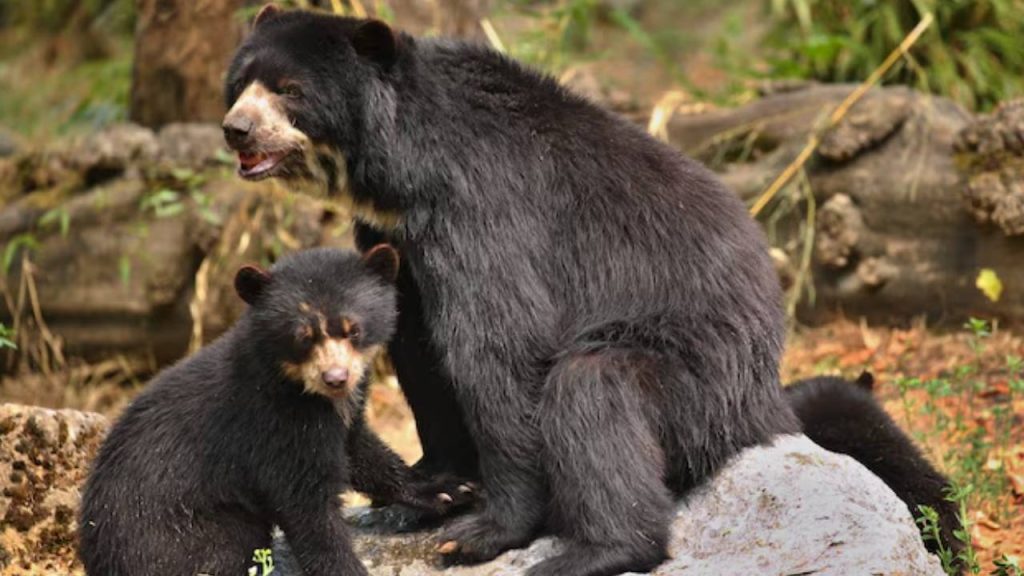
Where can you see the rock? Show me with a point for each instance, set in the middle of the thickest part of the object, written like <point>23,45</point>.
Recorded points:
<point>192,145</point>
<point>789,508</point>
<point>111,151</point>
<point>44,456</point>
<point>133,236</point>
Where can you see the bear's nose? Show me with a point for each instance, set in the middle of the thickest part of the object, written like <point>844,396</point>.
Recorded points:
<point>236,130</point>
<point>335,377</point>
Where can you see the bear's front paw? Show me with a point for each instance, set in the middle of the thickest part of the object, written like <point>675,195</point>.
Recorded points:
<point>479,538</point>
<point>441,496</point>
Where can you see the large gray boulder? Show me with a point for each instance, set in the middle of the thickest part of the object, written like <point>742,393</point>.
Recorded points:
<point>789,508</point>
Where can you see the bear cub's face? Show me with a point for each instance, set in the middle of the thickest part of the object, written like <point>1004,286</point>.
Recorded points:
<point>322,315</point>
<point>292,91</point>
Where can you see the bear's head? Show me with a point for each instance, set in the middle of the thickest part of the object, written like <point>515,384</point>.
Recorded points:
<point>319,317</point>
<point>295,90</point>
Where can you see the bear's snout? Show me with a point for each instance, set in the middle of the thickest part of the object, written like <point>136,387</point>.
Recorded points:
<point>236,130</point>
<point>335,377</point>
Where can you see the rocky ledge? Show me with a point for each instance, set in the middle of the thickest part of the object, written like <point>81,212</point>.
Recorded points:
<point>788,508</point>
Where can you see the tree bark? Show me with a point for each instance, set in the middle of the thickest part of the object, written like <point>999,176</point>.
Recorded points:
<point>182,49</point>
<point>913,198</point>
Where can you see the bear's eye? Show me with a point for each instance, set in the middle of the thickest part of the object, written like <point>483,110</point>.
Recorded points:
<point>355,333</point>
<point>290,90</point>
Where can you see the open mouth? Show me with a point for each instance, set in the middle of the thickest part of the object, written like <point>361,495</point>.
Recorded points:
<point>259,165</point>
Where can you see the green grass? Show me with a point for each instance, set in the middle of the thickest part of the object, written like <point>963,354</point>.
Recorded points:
<point>972,53</point>
<point>971,452</point>
<point>64,99</point>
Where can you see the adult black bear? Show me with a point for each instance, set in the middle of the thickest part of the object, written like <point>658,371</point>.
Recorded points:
<point>599,309</point>
<point>252,431</point>
<point>844,417</point>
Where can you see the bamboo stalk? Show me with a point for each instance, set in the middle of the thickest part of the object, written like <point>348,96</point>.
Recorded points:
<point>814,140</point>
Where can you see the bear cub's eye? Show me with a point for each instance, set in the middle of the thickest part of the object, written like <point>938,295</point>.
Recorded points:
<point>354,333</point>
<point>304,334</point>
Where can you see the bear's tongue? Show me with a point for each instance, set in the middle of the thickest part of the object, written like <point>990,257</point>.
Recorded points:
<point>252,163</point>
<point>249,160</point>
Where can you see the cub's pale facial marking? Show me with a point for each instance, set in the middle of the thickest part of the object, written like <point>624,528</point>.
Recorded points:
<point>333,368</point>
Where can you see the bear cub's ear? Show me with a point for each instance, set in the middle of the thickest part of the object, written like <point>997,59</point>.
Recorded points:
<point>382,260</point>
<point>265,14</point>
<point>377,42</point>
<point>250,283</point>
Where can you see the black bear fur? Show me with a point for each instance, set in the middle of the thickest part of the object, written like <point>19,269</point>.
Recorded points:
<point>226,444</point>
<point>599,309</point>
<point>844,417</point>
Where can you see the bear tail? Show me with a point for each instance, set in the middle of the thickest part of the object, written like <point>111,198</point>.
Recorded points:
<point>844,417</point>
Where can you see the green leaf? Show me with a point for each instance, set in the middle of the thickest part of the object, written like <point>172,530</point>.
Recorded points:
<point>25,240</point>
<point>59,215</point>
<point>124,269</point>
<point>7,337</point>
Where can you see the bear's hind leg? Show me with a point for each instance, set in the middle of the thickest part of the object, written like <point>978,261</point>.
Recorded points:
<point>604,464</point>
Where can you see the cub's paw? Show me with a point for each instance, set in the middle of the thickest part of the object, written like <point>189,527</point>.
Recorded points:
<point>479,538</point>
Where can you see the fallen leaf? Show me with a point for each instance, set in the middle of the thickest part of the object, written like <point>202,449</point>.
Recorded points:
<point>1017,483</point>
<point>856,358</point>
<point>989,284</point>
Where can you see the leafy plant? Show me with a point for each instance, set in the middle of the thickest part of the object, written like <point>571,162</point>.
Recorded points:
<point>928,521</point>
<point>60,216</point>
<point>971,54</point>
<point>968,558</point>
<point>7,337</point>
<point>564,30</point>
<point>55,15</point>
<point>264,559</point>
<point>24,241</point>
<point>163,203</point>
<point>1007,566</point>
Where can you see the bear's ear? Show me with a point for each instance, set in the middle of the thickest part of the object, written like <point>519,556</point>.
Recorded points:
<point>382,260</point>
<point>250,283</point>
<point>376,41</point>
<point>265,14</point>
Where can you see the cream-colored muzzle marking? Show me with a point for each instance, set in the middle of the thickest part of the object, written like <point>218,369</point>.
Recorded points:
<point>273,131</point>
<point>271,128</point>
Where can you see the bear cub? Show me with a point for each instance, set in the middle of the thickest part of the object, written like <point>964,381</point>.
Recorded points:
<point>844,417</point>
<point>263,427</point>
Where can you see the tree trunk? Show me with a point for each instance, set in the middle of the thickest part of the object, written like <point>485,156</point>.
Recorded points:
<point>182,49</point>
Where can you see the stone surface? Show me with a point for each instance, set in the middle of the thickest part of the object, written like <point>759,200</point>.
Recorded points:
<point>44,456</point>
<point>790,508</point>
